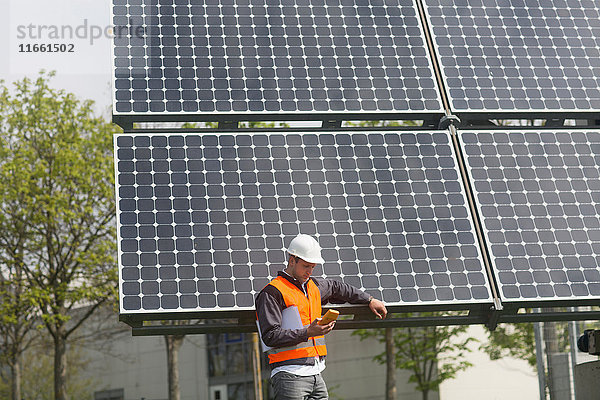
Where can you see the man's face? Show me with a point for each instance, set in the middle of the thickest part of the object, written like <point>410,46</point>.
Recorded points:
<point>300,269</point>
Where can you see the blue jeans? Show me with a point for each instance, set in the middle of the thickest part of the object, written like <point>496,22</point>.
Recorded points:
<point>288,386</point>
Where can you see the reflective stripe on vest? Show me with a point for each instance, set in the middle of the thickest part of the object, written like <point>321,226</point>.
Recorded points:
<point>309,309</point>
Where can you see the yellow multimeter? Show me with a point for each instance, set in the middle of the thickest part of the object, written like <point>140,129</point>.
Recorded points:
<point>330,315</point>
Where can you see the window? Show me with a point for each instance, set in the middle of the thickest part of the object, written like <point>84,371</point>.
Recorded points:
<point>230,364</point>
<point>229,354</point>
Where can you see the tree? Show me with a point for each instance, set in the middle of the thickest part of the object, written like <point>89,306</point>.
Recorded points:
<point>16,303</point>
<point>511,340</point>
<point>16,323</point>
<point>390,364</point>
<point>432,354</point>
<point>173,344</point>
<point>67,180</point>
<point>38,375</point>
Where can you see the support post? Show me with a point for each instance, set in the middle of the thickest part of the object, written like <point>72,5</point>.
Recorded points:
<point>573,339</point>
<point>256,370</point>
<point>539,356</point>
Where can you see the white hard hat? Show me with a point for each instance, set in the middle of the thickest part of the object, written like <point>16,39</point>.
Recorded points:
<point>307,248</point>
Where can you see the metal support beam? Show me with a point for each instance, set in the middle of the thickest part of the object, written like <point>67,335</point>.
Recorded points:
<point>555,122</point>
<point>240,326</point>
<point>490,316</point>
<point>228,125</point>
<point>126,124</point>
<point>448,120</point>
<point>332,124</point>
<point>550,316</point>
<point>134,323</point>
<point>430,123</point>
<point>159,330</point>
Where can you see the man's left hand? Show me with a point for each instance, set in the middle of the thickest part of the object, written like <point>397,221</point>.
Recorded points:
<point>378,308</point>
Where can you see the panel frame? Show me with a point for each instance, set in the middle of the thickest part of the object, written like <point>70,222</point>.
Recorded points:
<point>363,318</point>
<point>141,314</point>
<point>125,119</point>
<point>490,113</point>
<point>511,305</point>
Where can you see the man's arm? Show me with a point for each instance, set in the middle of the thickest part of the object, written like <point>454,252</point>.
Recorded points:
<point>333,291</point>
<point>337,292</point>
<point>269,305</point>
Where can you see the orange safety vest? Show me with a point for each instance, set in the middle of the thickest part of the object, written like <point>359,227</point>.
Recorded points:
<point>309,309</point>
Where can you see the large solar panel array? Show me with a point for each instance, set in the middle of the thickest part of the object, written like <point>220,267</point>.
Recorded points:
<point>538,193</point>
<point>203,219</point>
<point>518,55</point>
<point>274,57</point>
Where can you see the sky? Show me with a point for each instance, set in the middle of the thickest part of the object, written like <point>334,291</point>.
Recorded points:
<point>82,27</point>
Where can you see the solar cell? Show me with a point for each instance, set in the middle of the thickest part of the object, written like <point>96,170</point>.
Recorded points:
<point>523,55</point>
<point>538,193</point>
<point>203,219</point>
<point>259,56</point>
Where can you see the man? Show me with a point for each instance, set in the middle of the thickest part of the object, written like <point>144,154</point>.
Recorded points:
<point>297,357</point>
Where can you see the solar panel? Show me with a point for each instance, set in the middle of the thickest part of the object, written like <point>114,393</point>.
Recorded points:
<point>203,219</point>
<point>538,193</point>
<point>523,55</point>
<point>273,57</point>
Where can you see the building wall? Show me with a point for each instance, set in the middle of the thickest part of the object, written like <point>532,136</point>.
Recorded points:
<point>138,366</point>
<point>507,378</point>
<point>351,374</point>
<point>587,376</point>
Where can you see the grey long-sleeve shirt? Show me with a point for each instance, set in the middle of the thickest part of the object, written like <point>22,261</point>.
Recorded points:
<point>270,303</point>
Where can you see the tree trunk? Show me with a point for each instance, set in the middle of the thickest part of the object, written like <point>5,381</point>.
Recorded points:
<point>390,362</point>
<point>15,369</point>
<point>60,367</point>
<point>173,343</point>
<point>425,394</point>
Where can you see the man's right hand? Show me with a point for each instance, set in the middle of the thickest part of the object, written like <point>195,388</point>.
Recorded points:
<point>314,329</point>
